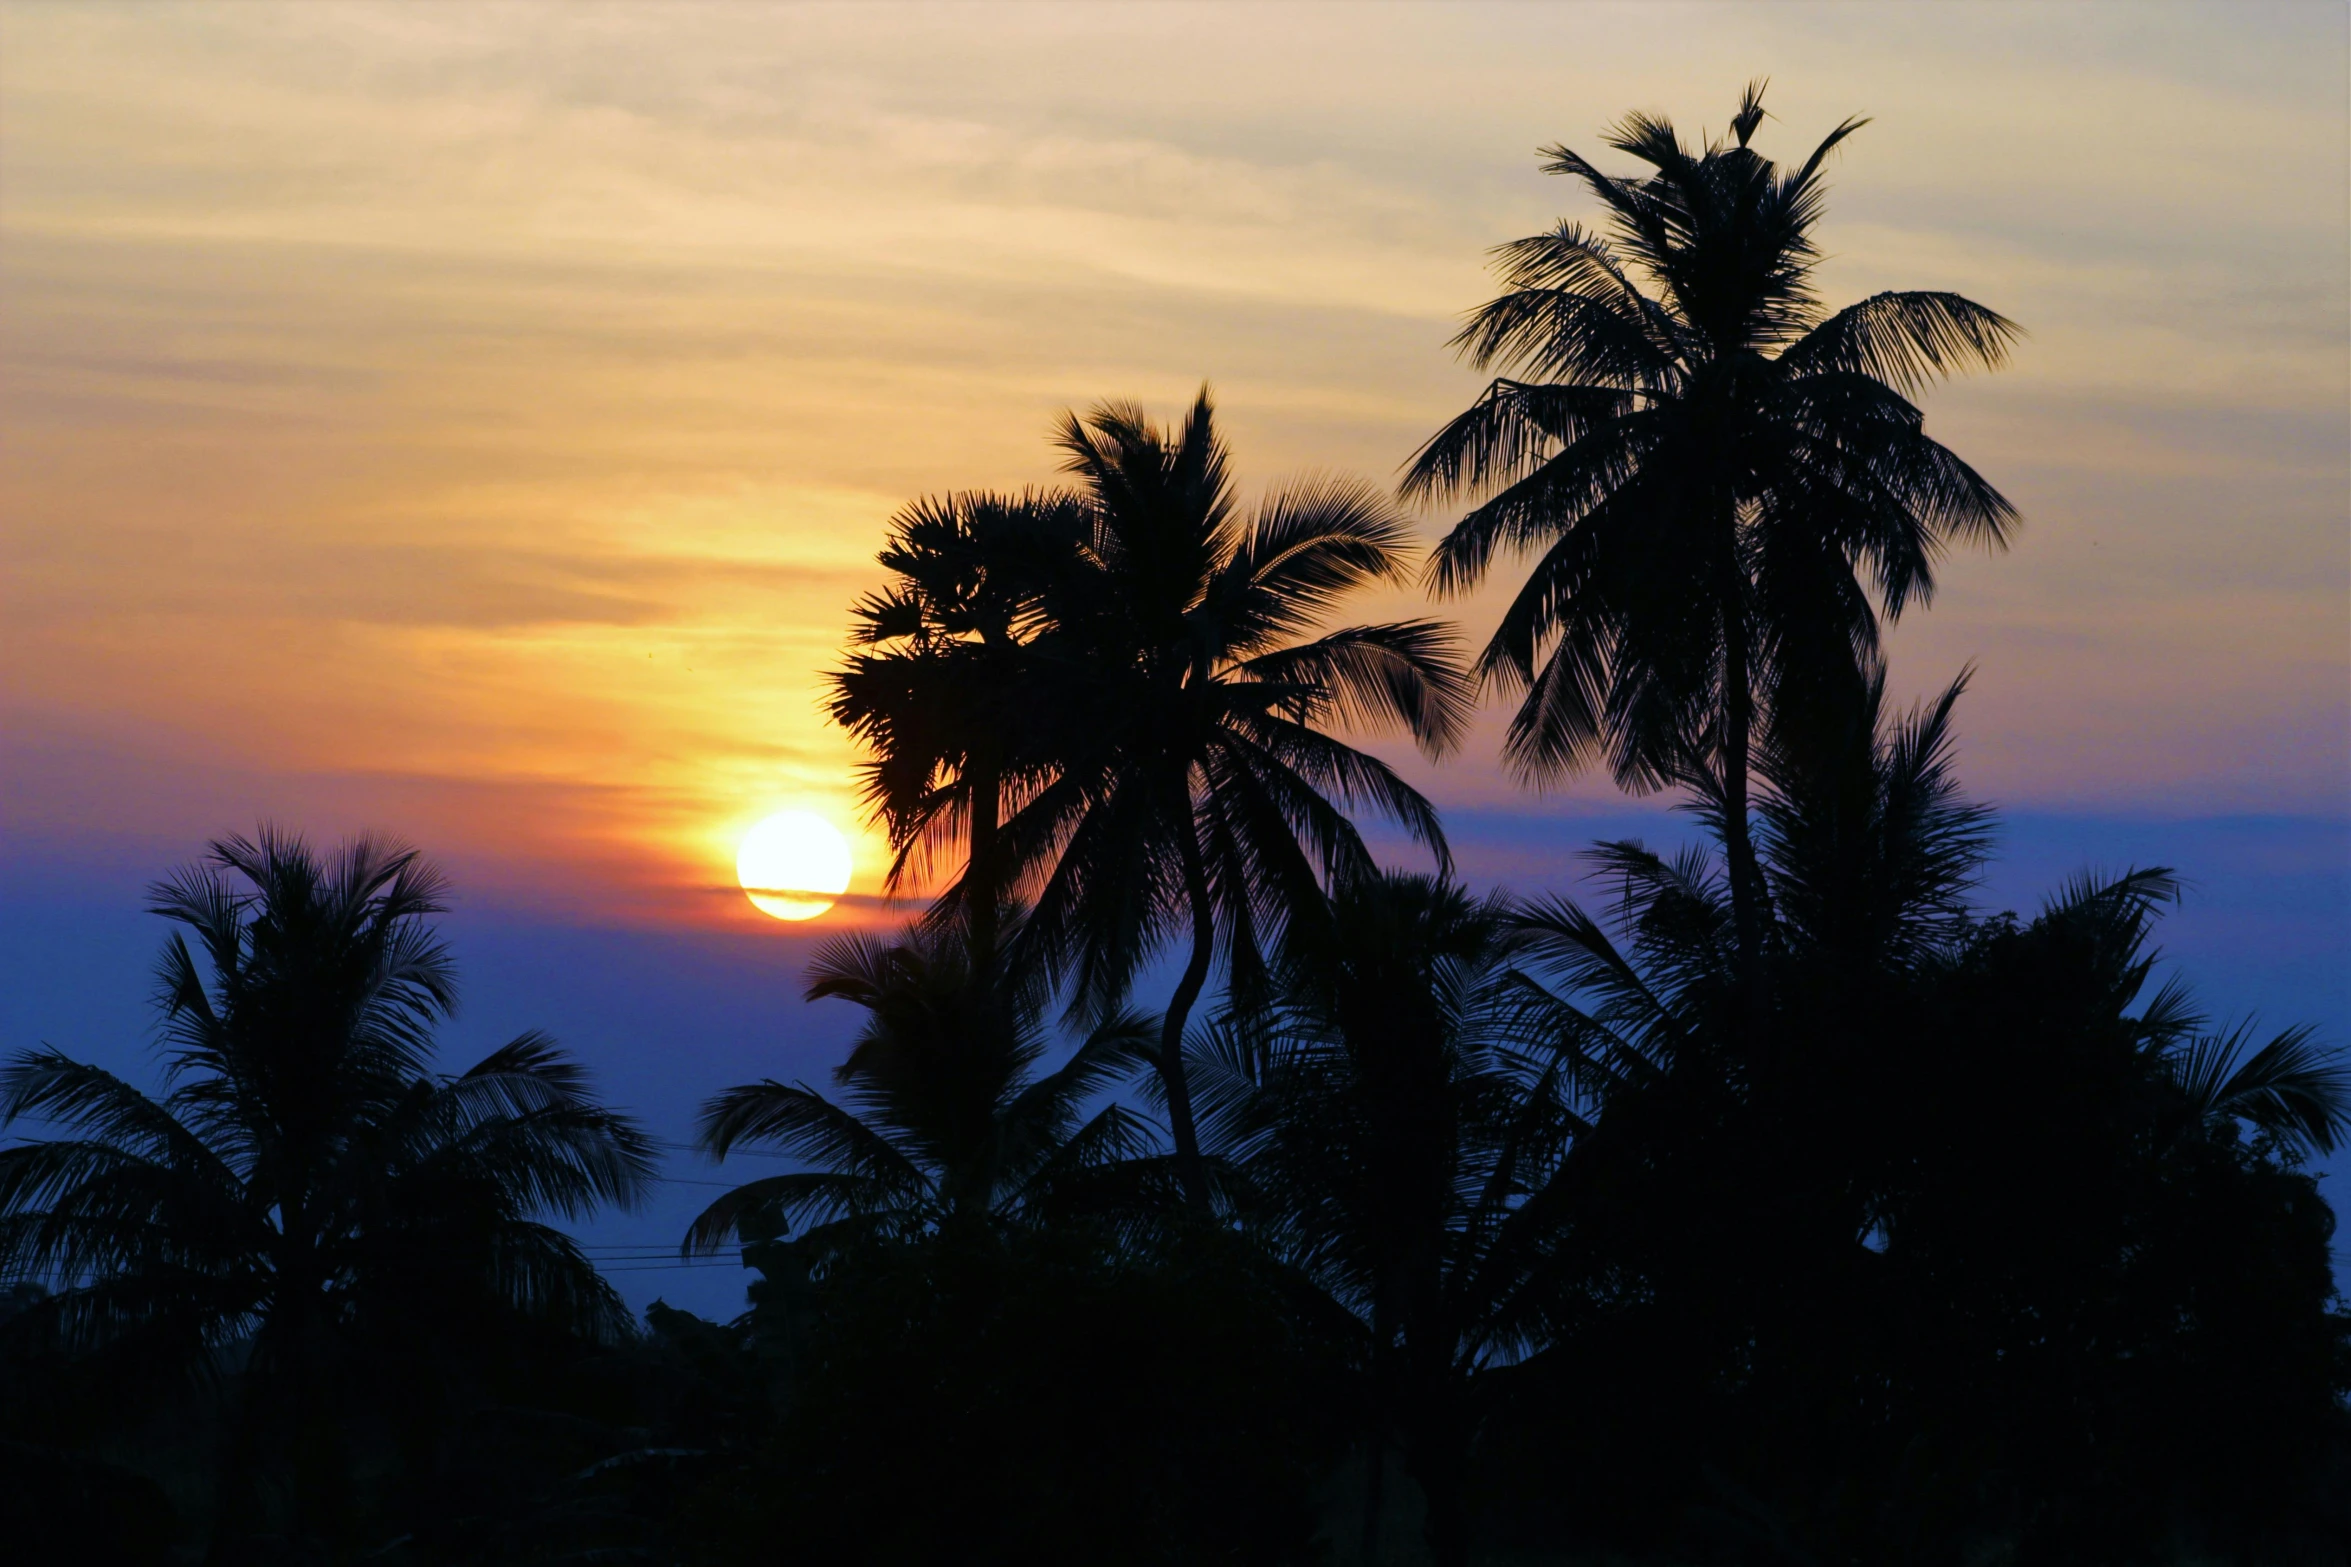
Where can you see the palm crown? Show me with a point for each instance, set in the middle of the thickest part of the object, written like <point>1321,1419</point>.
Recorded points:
<point>1869,850</point>
<point>1401,1126</point>
<point>1717,475</point>
<point>1196,792</point>
<point>942,683</point>
<point>306,1182</point>
<point>946,1116</point>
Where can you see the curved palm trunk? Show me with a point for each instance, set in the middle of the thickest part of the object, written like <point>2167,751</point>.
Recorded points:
<point>1189,1167</point>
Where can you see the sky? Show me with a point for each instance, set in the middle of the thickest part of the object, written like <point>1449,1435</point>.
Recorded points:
<point>474,422</point>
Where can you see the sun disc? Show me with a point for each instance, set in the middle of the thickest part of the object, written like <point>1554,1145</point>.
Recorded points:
<point>793,865</point>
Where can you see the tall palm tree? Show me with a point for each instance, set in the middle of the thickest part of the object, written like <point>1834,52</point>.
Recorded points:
<point>1709,464</point>
<point>942,687</point>
<point>306,1185</point>
<point>1400,1128</point>
<point>945,1120</point>
<point>1195,794</point>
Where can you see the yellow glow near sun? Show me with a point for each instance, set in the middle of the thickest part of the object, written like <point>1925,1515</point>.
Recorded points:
<point>793,865</point>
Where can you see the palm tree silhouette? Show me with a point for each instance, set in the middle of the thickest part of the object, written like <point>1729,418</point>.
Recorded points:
<point>1868,853</point>
<point>1708,465</point>
<point>1400,1127</point>
<point>945,1120</point>
<point>1195,794</point>
<point>306,1185</point>
<point>1927,1191</point>
<point>944,685</point>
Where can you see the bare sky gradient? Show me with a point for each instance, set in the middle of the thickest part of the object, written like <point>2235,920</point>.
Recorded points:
<point>476,420</point>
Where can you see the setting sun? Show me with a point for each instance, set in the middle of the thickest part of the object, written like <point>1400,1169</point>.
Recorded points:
<point>793,865</point>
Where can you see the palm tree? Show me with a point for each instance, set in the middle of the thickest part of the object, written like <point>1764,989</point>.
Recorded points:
<point>1195,794</point>
<point>1401,1126</point>
<point>1708,463</point>
<point>2289,1087</point>
<point>1868,854</point>
<point>306,1185</point>
<point>1942,1191</point>
<point>945,1120</point>
<point>1870,847</point>
<point>943,687</point>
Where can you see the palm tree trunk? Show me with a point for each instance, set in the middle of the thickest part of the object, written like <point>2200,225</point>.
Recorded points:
<point>1446,1523</point>
<point>1189,1167</point>
<point>1437,1452</point>
<point>1746,876</point>
<point>980,891</point>
<point>236,1473</point>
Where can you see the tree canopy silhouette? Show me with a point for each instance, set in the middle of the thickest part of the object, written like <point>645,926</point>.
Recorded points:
<point>1929,1203</point>
<point>947,1118</point>
<point>1131,665</point>
<point>1399,1120</point>
<point>1201,799</point>
<point>944,683</point>
<point>307,1184</point>
<point>1716,474</point>
<point>1776,1202</point>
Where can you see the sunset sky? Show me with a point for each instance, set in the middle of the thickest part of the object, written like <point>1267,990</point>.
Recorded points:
<point>473,422</point>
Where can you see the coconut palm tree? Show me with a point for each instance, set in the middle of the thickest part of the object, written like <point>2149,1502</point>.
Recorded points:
<point>1868,854</point>
<point>1401,1124</point>
<point>944,684</point>
<point>1195,795</point>
<point>945,1119</point>
<point>1950,1187</point>
<point>1728,486</point>
<point>1871,850</point>
<point>307,1185</point>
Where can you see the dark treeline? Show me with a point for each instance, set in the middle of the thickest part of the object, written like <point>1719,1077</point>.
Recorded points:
<point>1775,1204</point>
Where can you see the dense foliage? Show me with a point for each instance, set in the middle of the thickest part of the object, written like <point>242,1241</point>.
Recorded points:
<point>309,1217</point>
<point>1781,1206</point>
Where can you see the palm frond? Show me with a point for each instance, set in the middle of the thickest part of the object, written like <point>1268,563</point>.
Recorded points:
<point>1905,338</point>
<point>797,1199</point>
<point>1309,545</point>
<point>1511,429</point>
<point>798,1120</point>
<point>1407,674</point>
<point>2290,1086</point>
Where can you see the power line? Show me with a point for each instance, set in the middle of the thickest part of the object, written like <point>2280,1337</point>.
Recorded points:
<point>731,1153</point>
<point>661,1267</point>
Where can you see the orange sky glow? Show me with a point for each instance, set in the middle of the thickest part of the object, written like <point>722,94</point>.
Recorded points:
<point>475,421</point>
